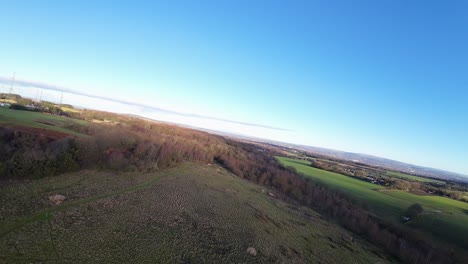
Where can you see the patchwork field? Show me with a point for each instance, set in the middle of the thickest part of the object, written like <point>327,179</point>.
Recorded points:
<point>38,120</point>
<point>443,218</point>
<point>192,213</point>
<point>412,177</point>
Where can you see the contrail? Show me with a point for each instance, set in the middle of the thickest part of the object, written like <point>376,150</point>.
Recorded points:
<point>46,86</point>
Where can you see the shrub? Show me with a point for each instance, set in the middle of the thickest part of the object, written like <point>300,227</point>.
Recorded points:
<point>414,211</point>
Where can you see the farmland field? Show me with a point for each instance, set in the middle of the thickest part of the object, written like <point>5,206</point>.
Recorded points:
<point>412,177</point>
<point>37,120</point>
<point>359,190</point>
<point>196,213</point>
<point>444,218</point>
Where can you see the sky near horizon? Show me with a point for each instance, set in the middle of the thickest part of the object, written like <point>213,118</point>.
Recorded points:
<point>386,78</point>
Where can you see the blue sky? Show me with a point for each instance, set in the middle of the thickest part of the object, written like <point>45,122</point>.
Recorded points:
<point>388,78</point>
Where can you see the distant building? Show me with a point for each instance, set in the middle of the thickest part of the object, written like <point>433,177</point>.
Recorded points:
<point>5,104</point>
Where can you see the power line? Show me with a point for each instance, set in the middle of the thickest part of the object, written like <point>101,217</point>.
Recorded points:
<point>12,82</point>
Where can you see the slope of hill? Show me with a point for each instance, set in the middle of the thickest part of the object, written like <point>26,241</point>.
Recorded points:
<point>189,214</point>
<point>444,218</point>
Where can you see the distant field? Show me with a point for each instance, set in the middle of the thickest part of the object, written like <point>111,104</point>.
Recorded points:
<point>444,218</point>
<point>196,213</point>
<point>360,190</point>
<point>411,177</point>
<point>37,120</point>
<point>68,109</point>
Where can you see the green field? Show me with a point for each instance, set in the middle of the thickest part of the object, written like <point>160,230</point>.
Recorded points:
<point>38,120</point>
<point>444,218</point>
<point>412,177</point>
<point>196,213</point>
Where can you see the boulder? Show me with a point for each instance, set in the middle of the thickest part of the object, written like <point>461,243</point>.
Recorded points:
<point>56,199</point>
<point>251,251</point>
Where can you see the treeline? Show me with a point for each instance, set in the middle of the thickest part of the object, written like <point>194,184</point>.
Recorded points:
<point>27,155</point>
<point>144,146</point>
<point>24,154</point>
<point>23,108</point>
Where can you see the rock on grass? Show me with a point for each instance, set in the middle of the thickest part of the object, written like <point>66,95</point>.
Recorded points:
<point>251,251</point>
<point>56,199</point>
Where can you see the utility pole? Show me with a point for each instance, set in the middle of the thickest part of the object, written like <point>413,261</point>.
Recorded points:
<point>61,99</point>
<point>12,82</point>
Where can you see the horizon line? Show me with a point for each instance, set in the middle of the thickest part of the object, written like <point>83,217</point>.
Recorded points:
<point>52,87</point>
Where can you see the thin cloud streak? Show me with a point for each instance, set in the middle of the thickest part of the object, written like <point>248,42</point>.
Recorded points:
<point>35,84</point>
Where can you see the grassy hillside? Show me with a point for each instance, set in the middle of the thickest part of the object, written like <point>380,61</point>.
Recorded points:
<point>145,150</point>
<point>360,190</point>
<point>412,177</point>
<point>38,120</point>
<point>444,218</point>
<point>196,213</point>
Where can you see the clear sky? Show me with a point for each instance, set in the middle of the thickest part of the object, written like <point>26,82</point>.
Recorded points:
<point>388,78</point>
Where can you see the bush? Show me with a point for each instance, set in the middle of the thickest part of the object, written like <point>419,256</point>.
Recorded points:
<point>361,174</point>
<point>414,211</point>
